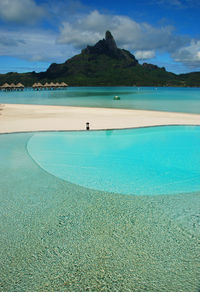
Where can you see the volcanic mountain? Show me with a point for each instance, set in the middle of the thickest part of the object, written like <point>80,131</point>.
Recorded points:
<point>104,64</point>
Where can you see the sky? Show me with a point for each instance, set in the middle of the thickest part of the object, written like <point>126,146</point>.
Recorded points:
<point>36,33</point>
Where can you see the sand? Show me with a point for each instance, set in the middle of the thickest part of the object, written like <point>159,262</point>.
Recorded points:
<point>25,118</point>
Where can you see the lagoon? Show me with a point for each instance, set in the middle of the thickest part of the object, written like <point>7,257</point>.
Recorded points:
<point>147,98</point>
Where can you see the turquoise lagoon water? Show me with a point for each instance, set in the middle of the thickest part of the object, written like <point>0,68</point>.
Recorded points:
<point>56,235</point>
<point>149,98</point>
<point>148,161</point>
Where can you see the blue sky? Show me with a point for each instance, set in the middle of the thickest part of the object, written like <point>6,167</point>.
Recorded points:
<point>36,33</point>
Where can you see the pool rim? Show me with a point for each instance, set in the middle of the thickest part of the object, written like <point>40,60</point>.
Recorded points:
<point>98,130</point>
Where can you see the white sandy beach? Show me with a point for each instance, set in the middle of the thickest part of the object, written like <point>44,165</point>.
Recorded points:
<point>24,118</point>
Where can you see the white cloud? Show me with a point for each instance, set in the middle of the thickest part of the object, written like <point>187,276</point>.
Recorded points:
<point>129,34</point>
<point>143,39</point>
<point>143,55</point>
<point>189,55</point>
<point>34,45</point>
<point>20,11</point>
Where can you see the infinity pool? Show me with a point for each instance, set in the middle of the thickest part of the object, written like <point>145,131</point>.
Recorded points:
<point>61,231</point>
<point>147,161</point>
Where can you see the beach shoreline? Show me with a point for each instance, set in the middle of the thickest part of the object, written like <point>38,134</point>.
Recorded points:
<point>33,118</point>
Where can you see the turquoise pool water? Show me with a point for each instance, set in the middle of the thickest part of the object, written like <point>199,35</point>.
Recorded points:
<point>60,236</point>
<point>149,98</point>
<point>147,161</point>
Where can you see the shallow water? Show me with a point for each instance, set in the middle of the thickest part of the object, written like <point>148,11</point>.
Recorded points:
<point>58,236</point>
<point>148,98</point>
<point>147,161</point>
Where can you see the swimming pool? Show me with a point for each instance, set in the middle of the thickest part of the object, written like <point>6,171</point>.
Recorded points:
<point>146,161</point>
<point>61,236</point>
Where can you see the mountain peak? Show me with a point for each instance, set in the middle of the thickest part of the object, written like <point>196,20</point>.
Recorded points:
<point>108,47</point>
<point>108,35</point>
<point>110,42</point>
<point>105,46</point>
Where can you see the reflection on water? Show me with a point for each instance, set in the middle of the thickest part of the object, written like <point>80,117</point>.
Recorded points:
<point>149,98</point>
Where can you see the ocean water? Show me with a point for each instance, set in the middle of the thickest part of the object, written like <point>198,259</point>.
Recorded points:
<point>59,236</point>
<point>148,98</point>
<point>146,161</point>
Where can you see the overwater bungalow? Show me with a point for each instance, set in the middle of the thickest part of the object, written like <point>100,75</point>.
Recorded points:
<point>12,86</point>
<point>37,86</point>
<point>57,85</point>
<point>34,86</point>
<point>46,85</point>
<point>19,86</point>
<point>52,85</point>
<point>5,87</point>
<point>63,84</point>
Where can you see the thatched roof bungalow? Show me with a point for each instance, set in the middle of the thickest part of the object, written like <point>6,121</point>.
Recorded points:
<point>34,85</point>
<point>63,84</point>
<point>47,85</point>
<point>5,86</point>
<point>40,85</point>
<point>20,85</point>
<point>37,86</point>
<point>57,84</point>
<point>12,86</point>
<point>52,85</point>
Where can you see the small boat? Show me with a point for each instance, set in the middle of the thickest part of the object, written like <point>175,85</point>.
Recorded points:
<point>116,98</point>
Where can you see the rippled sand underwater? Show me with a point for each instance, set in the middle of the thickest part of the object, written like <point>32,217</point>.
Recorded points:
<point>57,236</point>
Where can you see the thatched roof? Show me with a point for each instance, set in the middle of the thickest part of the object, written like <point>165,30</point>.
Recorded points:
<point>34,85</point>
<point>46,85</point>
<point>63,84</point>
<point>39,84</point>
<point>12,85</point>
<point>5,85</point>
<point>19,85</point>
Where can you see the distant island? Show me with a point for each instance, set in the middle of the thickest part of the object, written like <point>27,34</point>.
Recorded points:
<point>104,65</point>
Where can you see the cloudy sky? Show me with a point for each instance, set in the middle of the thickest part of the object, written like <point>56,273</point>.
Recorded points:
<point>35,33</point>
